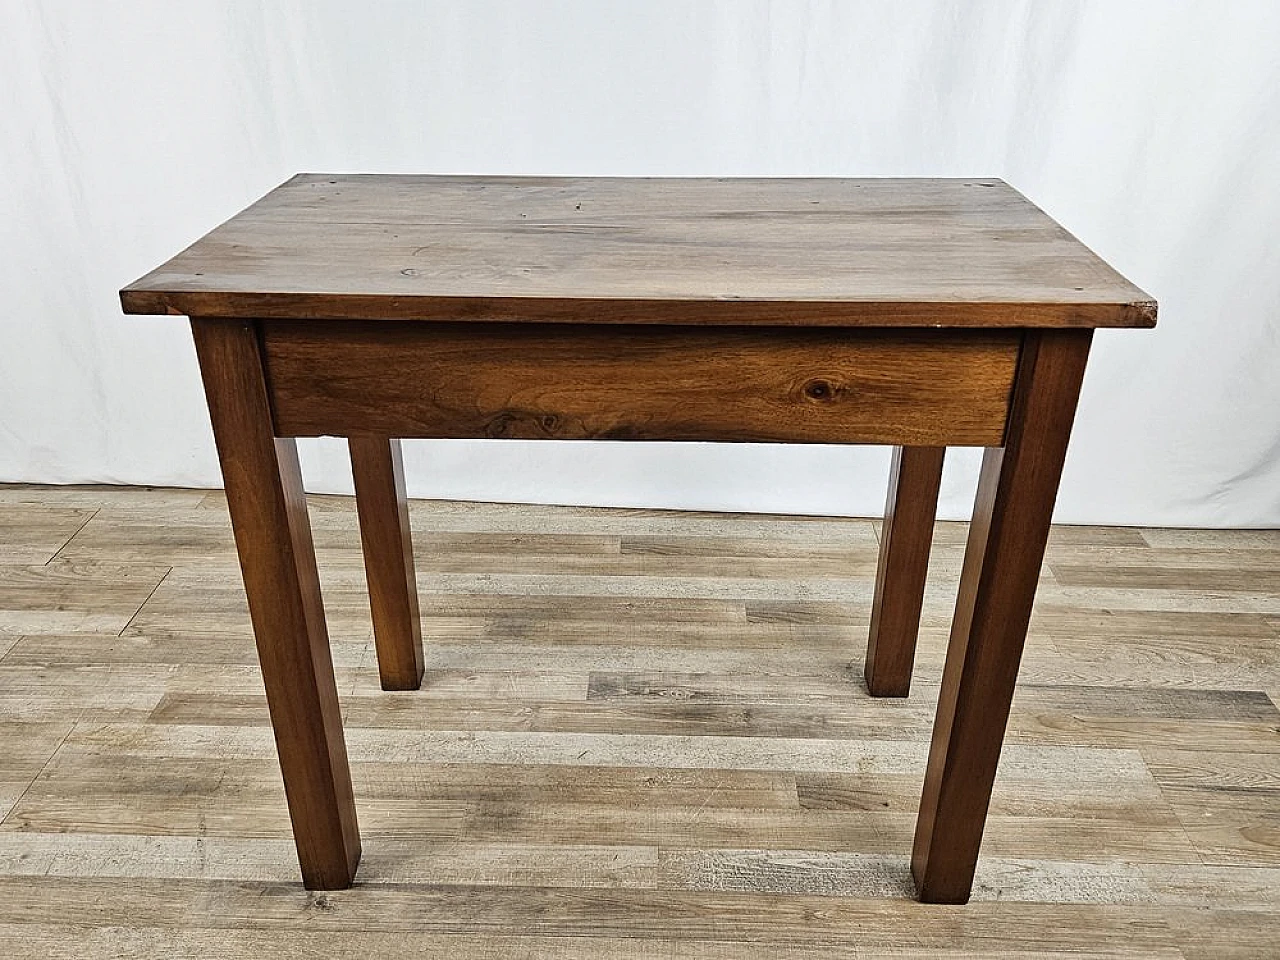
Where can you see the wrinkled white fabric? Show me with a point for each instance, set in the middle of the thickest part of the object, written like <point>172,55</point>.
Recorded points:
<point>1150,129</point>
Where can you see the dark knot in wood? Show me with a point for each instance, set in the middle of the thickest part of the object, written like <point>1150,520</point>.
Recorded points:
<point>523,425</point>
<point>819,389</point>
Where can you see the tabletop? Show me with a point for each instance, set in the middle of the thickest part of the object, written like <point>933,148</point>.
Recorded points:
<point>811,252</point>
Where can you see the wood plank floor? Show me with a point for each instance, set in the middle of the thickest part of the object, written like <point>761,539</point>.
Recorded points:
<point>642,734</point>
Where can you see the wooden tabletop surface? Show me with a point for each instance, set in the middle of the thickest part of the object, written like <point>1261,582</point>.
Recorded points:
<point>821,252</point>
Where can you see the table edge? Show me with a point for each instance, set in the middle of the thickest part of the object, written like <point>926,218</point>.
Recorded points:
<point>1135,314</point>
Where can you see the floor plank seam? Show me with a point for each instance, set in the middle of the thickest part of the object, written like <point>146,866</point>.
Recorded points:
<point>87,521</point>
<point>17,804</point>
<point>162,579</point>
<point>12,647</point>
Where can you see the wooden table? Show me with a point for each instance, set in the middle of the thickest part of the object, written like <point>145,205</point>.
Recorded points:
<point>917,313</point>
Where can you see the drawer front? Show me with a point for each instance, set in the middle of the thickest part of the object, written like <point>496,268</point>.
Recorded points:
<point>588,382</point>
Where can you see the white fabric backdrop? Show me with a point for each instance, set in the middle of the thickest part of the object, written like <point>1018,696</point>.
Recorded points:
<point>1151,129</point>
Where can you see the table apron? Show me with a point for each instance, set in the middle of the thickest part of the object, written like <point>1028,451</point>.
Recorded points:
<point>469,380</point>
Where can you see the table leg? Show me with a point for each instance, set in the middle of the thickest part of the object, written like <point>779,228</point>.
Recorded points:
<point>1016,492</point>
<point>269,517</point>
<point>905,538</point>
<point>378,468</point>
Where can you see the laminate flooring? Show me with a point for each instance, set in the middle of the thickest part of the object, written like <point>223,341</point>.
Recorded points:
<point>642,734</point>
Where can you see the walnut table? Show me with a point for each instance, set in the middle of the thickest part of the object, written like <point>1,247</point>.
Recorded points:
<point>917,313</point>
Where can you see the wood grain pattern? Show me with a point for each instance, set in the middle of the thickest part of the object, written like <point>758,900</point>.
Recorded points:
<point>689,770</point>
<point>906,535</point>
<point>1007,537</point>
<point>377,466</point>
<point>822,252</point>
<point>638,383</point>
<point>277,559</point>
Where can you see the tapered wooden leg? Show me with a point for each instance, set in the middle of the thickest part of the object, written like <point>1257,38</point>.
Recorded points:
<point>1007,537</point>
<point>378,468</point>
<point>277,559</point>
<point>905,538</point>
